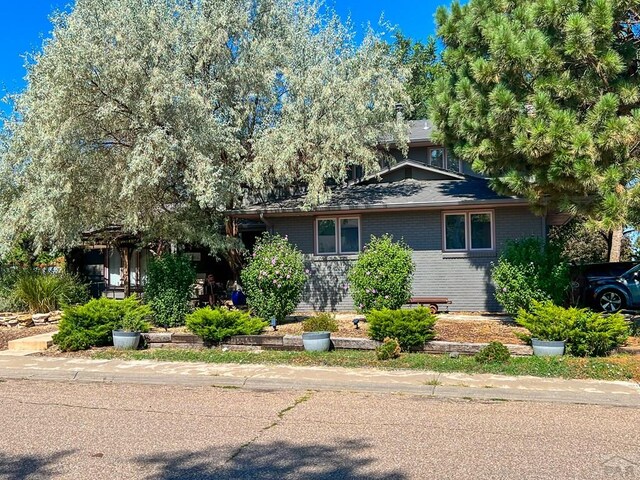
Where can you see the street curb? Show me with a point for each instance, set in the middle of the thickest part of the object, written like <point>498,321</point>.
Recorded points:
<point>432,385</point>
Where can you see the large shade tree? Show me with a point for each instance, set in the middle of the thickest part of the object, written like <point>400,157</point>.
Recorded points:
<point>159,115</point>
<point>543,97</point>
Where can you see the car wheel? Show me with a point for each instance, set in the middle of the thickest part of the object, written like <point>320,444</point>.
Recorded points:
<point>610,301</point>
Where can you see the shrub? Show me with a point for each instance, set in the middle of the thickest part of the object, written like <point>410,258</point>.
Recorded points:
<point>169,287</point>
<point>381,276</point>
<point>323,322</point>
<point>586,333</point>
<point>44,292</point>
<point>90,325</point>
<point>529,270</point>
<point>495,352</point>
<point>216,325</point>
<point>274,277</point>
<point>9,302</point>
<point>389,349</point>
<point>412,327</point>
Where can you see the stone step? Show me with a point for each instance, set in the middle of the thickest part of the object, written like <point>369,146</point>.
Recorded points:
<point>35,343</point>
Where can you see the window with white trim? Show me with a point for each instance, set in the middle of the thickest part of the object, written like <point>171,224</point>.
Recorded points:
<point>337,235</point>
<point>468,231</point>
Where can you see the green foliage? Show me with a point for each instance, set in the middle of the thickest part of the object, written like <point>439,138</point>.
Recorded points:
<point>412,327</point>
<point>9,302</point>
<point>530,270</point>
<point>542,97</point>
<point>586,333</point>
<point>322,322</point>
<point>169,287</point>
<point>389,349</point>
<point>188,115</point>
<point>90,325</point>
<point>44,292</point>
<point>495,352</point>
<point>274,277</point>
<point>582,243</point>
<point>216,325</point>
<point>381,276</point>
<point>421,60</point>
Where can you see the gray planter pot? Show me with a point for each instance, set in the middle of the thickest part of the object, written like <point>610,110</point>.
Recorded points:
<point>316,341</point>
<point>125,340</point>
<point>546,348</point>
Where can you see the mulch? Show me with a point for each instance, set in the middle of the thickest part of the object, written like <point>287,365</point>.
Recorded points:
<point>13,333</point>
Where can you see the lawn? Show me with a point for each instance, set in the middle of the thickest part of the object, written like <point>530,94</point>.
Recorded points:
<point>618,367</point>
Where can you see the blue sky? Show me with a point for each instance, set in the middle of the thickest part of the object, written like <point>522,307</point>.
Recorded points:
<point>24,25</point>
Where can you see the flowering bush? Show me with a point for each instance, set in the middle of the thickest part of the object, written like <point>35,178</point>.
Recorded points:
<point>274,277</point>
<point>382,275</point>
<point>529,270</point>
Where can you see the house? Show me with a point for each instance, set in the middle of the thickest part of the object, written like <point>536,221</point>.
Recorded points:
<point>454,222</point>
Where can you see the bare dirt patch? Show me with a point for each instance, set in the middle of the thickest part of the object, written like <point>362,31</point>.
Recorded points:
<point>13,333</point>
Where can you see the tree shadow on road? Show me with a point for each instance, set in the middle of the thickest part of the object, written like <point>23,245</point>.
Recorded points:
<point>19,467</point>
<point>277,460</point>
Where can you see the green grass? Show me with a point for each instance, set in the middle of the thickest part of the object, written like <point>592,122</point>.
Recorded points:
<point>606,368</point>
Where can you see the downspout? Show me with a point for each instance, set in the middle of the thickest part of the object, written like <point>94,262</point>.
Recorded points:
<point>268,224</point>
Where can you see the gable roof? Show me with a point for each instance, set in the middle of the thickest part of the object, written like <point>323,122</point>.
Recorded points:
<point>414,164</point>
<point>403,194</point>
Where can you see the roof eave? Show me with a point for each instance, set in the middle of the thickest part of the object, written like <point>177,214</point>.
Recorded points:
<point>328,209</point>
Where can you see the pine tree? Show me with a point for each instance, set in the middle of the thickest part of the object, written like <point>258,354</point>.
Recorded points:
<point>543,97</point>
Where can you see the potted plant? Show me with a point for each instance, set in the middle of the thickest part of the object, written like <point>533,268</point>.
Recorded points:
<point>128,331</point>
<point>550,326</point>
<point>317,332</point>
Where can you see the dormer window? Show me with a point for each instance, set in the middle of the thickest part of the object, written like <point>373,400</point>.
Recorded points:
<point>436,157</point>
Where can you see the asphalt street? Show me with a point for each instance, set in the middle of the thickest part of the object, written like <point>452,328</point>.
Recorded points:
<point>120,431</point>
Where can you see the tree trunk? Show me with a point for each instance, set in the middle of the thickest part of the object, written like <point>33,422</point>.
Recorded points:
<point>234,256</point>
<point>124,255</point>
<point>615,247</point>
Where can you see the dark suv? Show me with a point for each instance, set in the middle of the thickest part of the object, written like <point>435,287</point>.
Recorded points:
<point>612,286</point>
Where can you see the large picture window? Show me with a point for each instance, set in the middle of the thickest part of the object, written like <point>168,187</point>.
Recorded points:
<point>340,235</point>
<point>468,231</point>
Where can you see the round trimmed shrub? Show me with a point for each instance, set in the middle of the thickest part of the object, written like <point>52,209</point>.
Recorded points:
<point>274,277</point>
<point>382,275</point>
<point>495,352</point>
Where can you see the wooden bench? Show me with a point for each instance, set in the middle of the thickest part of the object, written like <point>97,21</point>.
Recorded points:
<point>431,302</point>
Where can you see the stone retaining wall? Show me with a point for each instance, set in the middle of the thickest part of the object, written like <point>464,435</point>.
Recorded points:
<point>294,342</point>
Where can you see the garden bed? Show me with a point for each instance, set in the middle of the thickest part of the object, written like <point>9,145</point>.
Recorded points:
<point>13,333</point>
<point>449,327</point>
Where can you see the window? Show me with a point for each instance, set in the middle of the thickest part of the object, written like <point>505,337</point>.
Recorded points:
<point>480,231</point>
<point>327,236</point>
<point>453,163</point>
<point>468,231</point>
<point>436,157</point>
<point>455,236</point>
<point>337,235</point>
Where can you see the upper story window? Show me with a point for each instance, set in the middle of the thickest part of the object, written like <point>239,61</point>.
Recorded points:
<point>436,157</point>
<point>468,231</point>
<point>337,235</point>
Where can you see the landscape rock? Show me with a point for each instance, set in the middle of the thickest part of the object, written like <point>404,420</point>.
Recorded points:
<point>40,318</point>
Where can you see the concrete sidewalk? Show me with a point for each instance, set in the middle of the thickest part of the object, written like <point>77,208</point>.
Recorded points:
<point>282,377</point>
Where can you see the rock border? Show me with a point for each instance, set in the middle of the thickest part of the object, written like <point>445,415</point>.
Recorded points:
<point>294,342</point>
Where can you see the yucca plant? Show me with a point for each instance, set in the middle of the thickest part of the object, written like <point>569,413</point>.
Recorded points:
<point>44,292</point>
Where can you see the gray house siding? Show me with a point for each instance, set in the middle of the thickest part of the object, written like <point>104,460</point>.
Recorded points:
<point>464,279</point>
